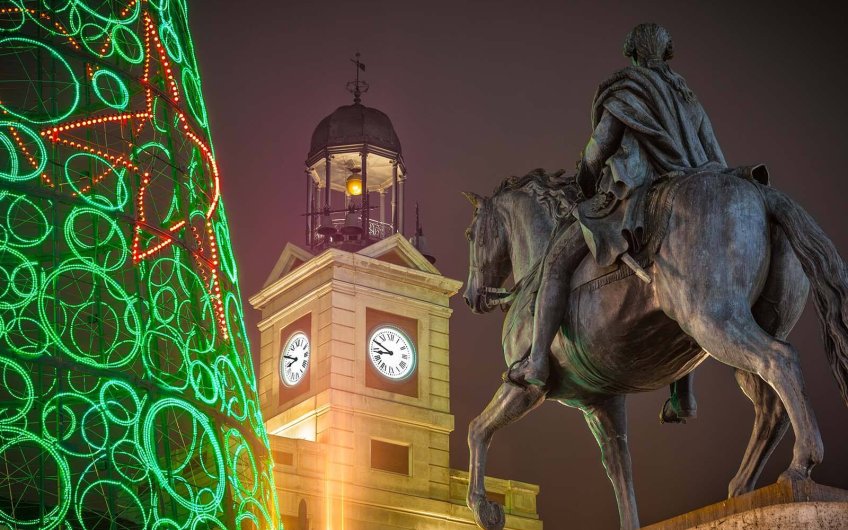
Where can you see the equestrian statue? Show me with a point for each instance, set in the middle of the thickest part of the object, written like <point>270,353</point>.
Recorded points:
<point>627,276</point>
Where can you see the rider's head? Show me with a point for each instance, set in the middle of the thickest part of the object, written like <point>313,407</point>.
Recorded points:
<point>648,44</point>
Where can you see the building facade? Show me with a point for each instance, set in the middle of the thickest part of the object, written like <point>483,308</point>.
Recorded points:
<point>354,371</point>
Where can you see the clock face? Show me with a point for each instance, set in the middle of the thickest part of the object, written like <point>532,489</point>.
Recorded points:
<point>294,359</point>
<point>391,352</point>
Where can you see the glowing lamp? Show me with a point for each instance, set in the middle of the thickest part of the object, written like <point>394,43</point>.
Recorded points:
<point>353,184</point>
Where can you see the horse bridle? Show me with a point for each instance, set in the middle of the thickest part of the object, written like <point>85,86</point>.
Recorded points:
<point>491,296</point>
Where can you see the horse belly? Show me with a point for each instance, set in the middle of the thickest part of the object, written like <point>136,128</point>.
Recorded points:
<point>618,340</point>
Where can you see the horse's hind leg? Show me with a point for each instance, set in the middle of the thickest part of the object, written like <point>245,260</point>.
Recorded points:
<point>608,422</point>
<point>776,311</point>
<point>770,424</point>
<point>510,403</point>
<point>734,338</point>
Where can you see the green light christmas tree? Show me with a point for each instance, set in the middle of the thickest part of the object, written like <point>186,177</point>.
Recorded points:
<point>127,392</point>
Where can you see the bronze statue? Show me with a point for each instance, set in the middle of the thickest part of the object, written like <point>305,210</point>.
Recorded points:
<point>727,261</point>
<point>646,122</point>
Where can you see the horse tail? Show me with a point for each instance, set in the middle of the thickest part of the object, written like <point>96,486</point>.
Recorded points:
<point>826,271</point>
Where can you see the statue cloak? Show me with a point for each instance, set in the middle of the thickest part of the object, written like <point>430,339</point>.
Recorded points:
<point>664,133</point>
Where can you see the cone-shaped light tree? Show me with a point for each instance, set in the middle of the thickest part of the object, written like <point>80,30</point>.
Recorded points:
<point>127,392</point>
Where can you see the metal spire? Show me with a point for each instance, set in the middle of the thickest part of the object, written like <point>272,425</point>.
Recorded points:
<point>357,87</point>
<point>418,240</point>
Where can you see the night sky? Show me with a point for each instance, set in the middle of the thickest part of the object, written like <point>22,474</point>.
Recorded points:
<point>479,91</point>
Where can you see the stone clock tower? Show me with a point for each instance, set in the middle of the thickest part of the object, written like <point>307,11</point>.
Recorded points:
<point>354,372</point>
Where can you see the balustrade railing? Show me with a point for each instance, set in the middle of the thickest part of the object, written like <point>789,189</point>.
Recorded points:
<point>377,230</point>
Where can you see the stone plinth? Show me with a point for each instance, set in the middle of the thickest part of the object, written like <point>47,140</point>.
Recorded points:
<point>787,505</point>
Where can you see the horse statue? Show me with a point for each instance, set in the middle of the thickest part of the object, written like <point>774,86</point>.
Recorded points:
<point>728,280</point>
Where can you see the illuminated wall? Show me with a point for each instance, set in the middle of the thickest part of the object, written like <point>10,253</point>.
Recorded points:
<point>127,391</point>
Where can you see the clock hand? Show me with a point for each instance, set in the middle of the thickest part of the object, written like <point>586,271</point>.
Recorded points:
<point>385,350</point>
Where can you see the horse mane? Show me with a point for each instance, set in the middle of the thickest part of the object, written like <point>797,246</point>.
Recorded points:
<point>554,191</point>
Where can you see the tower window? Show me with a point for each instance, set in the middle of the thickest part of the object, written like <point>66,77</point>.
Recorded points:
<point>391,457</point>
<point>283,458</point>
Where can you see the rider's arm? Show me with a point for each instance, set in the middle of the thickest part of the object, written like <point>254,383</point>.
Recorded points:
<point>602,144</point>
<point>710,143</point>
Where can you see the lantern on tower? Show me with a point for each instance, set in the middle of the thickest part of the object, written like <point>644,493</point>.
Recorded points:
<point>354,176</point>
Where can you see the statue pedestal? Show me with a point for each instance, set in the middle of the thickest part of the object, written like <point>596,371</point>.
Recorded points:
<point>783,505</point>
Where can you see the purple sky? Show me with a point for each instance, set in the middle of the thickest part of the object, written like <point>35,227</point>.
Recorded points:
<point>479,91</point>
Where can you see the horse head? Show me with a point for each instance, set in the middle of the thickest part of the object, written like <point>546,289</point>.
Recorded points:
<point>489,259</point>
<point>510,231</point>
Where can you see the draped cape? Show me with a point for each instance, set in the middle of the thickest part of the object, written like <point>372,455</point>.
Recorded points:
<point>664,133</point>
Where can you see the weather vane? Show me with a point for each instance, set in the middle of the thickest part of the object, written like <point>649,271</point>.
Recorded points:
<point>357,87</point>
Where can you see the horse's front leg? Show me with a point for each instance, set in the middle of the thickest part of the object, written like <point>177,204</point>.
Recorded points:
<point>510,403</point>
<point>608,422</point>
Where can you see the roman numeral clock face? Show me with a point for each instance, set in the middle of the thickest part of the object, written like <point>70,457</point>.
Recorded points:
<point>392,353</point>
<point>294,359</point>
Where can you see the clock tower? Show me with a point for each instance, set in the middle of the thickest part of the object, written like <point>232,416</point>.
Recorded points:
<point>354,370</point>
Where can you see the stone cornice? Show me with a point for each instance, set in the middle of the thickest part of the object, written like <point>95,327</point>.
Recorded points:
<point>360,265</point>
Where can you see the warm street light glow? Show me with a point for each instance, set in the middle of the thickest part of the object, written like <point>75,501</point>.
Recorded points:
<point>354,182</point>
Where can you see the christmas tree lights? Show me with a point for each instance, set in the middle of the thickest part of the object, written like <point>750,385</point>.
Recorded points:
<point>127,392</point>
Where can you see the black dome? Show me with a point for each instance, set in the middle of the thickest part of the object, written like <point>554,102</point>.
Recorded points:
<point>355,124</point>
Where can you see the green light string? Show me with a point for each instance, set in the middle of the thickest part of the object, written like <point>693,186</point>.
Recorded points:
<point>127,391</point>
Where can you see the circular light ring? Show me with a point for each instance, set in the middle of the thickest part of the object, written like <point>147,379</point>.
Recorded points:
<point>83,493</point>
<point>72,413</point>
<point>89,192</point>
<point>110,252</point>
<point>126,340</point>
<point>191,89</point>
<point>9,438</point>
<point>225,251</point>
<point>16,272</point>
<point>238,335</point>
<point>15,12</point>
<point>9,370</point>
<point>92,37</point>
<point>23,215</point>
<point>60,60</point>
<point>171,42</point>
<point>205,499</point>
<point>12,152</point>
<point>165,357</point>
<point>40,155</point>
<point>127,44</point>
<point>26,337</point>
<point>234,395</point>
<point>106,76</point>
<point>126,457</point>
<point>204,383</point>
<point>245,472</point>
<point>113,396</point>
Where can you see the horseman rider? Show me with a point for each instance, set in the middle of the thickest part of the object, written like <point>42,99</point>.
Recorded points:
<point>646,123</point>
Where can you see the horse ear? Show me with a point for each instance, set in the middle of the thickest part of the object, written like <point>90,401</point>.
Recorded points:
<point>473,198</point>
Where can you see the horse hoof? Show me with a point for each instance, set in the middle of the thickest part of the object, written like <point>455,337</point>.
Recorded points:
<point>793,475</point>
<point>489,515</point>
<point>672,413</point>
<point>736,488</point>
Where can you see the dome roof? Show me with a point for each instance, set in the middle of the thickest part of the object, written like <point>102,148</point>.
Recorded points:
<point>355,124</point>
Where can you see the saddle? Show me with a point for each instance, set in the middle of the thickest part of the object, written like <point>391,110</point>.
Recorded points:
<point>657,205</point>
<point>658,202</point>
